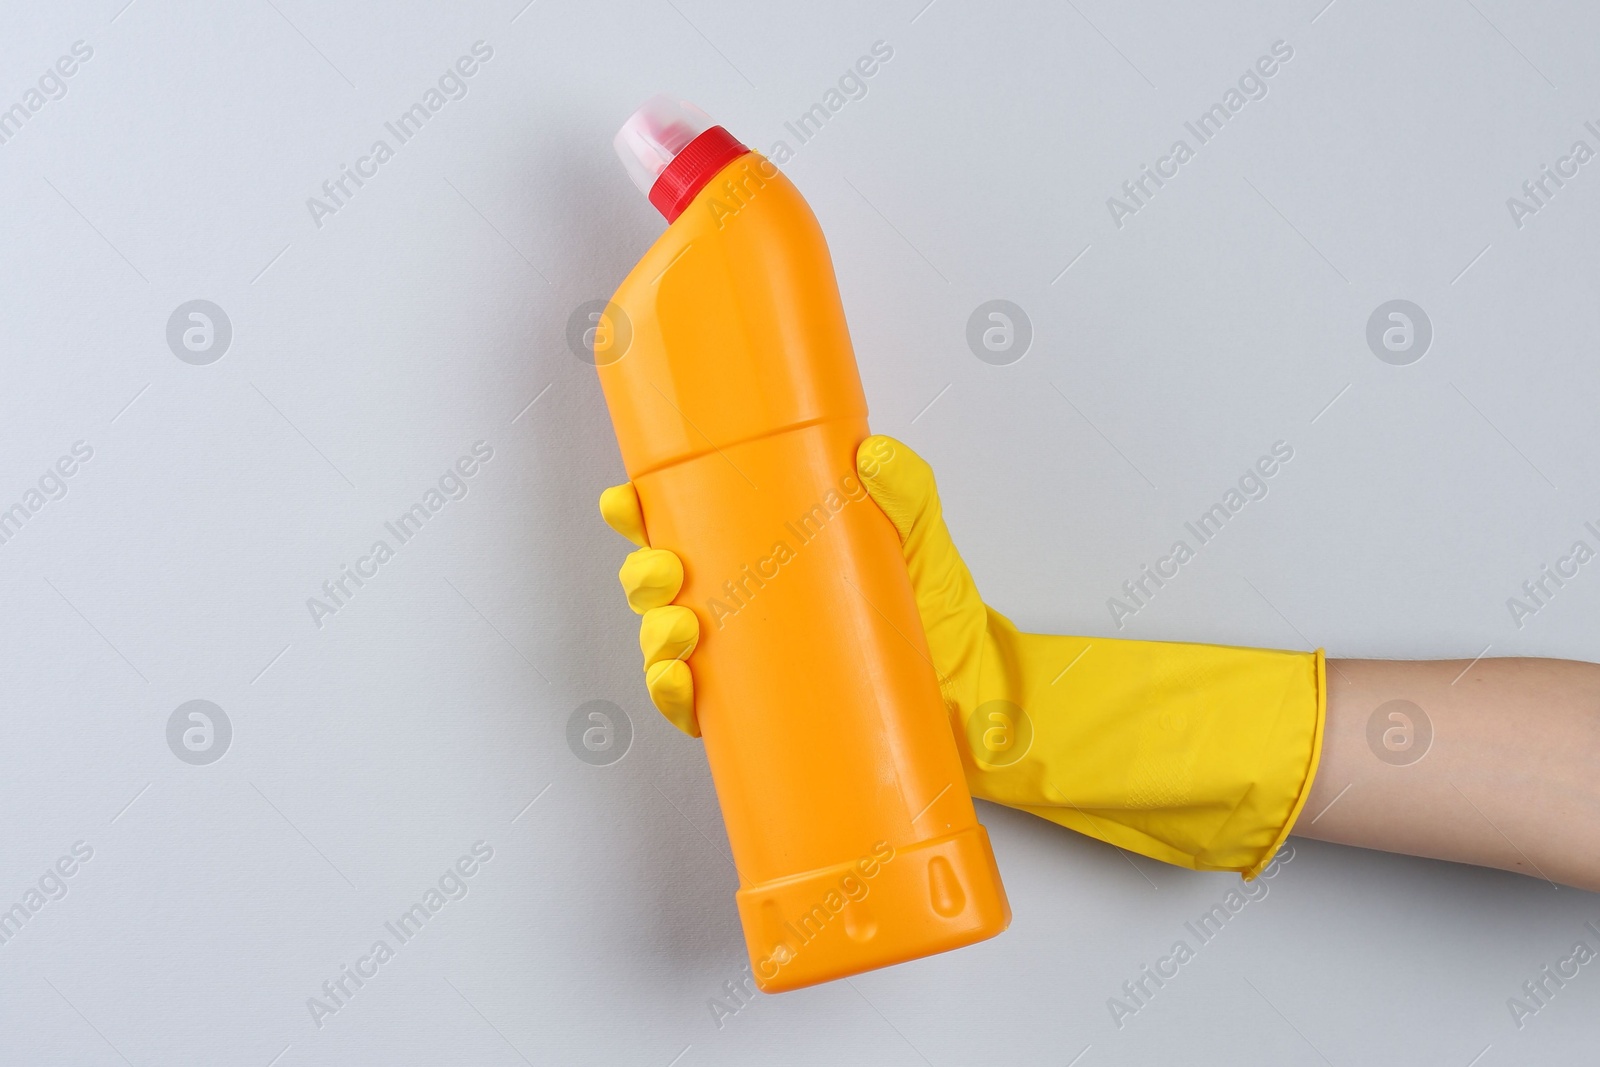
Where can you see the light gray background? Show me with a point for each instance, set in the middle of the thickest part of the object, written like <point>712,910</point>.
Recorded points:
<point>369,353</point>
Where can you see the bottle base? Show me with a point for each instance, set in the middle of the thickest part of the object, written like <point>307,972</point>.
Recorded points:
<point>891,905</point>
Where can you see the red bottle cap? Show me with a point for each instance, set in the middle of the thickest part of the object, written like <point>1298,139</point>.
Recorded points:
<point>671,149</point>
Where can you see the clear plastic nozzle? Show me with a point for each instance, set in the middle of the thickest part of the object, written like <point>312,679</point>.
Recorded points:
<point>653,135</point>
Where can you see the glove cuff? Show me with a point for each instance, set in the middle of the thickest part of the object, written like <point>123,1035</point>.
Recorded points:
<point>1311,763</point>
<point>1196,755</point>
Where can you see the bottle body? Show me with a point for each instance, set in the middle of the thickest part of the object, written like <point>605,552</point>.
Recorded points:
<point>739,409</point>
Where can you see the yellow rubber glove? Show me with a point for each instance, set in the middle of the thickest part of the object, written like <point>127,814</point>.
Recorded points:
<point>651,578</point>
<point>1197,755</point>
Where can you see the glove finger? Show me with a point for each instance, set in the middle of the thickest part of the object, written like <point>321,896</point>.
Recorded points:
<point>619,506</point>
<point>672,692</point>
<point>953,614</point>
<point>650,578</point>
<point>668,633</point>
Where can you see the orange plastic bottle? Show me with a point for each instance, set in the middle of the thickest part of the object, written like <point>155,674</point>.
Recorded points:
<point>737,405</point>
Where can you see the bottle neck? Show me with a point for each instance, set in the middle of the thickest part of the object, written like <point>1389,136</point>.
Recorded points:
<point>692,168</point>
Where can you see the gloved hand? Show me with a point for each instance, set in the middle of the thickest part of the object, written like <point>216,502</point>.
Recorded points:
<point>1197,755</point>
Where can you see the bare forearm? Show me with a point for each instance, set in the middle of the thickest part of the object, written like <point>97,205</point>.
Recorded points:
<point>1497,765</point>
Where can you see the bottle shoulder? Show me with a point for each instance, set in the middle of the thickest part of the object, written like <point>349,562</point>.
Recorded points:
<point>750,217</point>
<point>735,325</point>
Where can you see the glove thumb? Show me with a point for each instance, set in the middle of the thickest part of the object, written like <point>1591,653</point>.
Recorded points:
<point>953,614</point>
